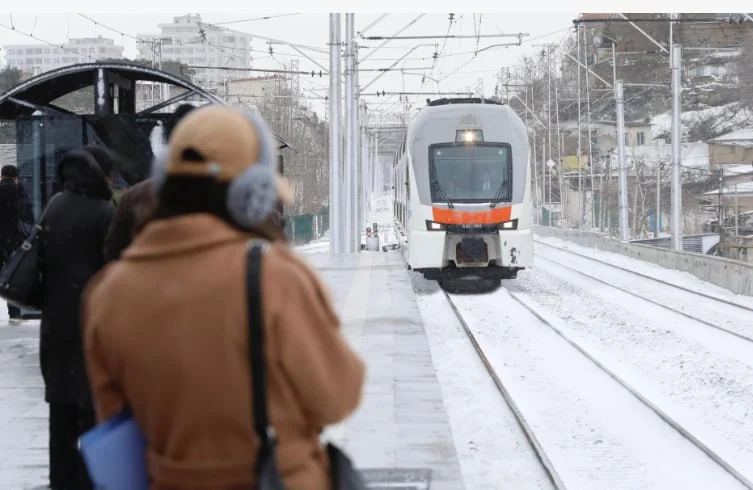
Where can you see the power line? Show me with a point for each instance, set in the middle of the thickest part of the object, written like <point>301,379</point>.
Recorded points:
<point>268,17</point>
<point>97,23</point>
<point>232,68</point>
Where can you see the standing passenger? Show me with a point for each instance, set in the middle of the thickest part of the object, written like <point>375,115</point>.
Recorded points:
<point>15,215</point>
<point>71,243</point>
<point>173,347</point>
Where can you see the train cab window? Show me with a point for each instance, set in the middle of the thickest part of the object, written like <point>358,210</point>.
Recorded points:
<point>480,172</point>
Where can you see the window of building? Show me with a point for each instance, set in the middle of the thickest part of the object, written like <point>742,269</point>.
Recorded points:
<point>627,139</point>
<point>594,138</point>
<point>641,138</point>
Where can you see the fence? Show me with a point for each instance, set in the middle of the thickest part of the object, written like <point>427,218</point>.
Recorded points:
<point>304,228</point>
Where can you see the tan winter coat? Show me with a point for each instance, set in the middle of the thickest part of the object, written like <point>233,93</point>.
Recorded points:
<point>166,334</point>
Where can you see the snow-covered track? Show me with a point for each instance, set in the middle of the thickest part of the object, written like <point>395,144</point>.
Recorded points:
<point>741,308</point>
<point>663,415</point>
<point>554,477</point>
<point>656,279</point>
<point>618,461</point>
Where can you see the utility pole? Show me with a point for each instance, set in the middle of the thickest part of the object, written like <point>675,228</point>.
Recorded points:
<point>348,136</point>
<point>657,213</point>
<point>356,146</point>
<point>619,96</point>
<point>590,139</point>
<point>676,147</point>
<point>355,236</point>
<point>559,154</point>
<point>335,118</point>
<point>580,135</point>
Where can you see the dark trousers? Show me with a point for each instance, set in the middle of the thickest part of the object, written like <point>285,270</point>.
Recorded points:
<point>14,312</point>
<point>67,424</point>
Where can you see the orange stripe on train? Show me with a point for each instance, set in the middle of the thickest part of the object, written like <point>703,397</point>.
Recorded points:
<point>452,217</point>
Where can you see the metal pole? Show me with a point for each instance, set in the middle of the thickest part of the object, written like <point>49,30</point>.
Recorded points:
<point>624,236</point>
<point>364,180</point>
<point>580,135</point>
<point>737,211</point>
<point>549,107</point>
<point>658,199</point>
<point>676,147</point>
<point>335,204</point>
<point>559,152</point>
<point>605,207</point>
<point>355,145</point>
<point>339,89</point>
<point>348,137</point>
<point>588,116</point>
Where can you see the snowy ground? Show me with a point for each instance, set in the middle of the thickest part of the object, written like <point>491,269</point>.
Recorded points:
<point>493,450</point>
<point>596,434</point>
<point>700,376</point>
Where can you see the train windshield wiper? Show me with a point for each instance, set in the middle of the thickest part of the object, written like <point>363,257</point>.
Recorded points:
<point>442,194</point>
<point>500,195</point>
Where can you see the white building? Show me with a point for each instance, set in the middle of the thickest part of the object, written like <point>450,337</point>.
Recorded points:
<point>246,90</point>
<point>187,40</point>
<point>33,59</point>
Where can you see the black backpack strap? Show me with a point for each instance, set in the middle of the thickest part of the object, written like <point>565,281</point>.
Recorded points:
<point>256,344</point>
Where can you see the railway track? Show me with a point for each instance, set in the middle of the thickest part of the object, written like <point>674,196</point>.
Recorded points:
<point>541,455</point>
<point>546,459</point>
<point>722,301</point>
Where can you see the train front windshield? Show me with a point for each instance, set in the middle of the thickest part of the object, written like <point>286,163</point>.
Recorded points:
<point>480,172</point>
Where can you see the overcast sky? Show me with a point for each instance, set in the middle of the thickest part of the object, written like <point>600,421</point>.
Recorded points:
<point>313,30</point>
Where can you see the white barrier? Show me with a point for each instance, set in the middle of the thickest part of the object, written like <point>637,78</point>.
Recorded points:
<point>731,274</point>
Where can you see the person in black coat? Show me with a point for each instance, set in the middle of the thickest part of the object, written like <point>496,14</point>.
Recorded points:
<point>71,252</point>
<point>15,214</point>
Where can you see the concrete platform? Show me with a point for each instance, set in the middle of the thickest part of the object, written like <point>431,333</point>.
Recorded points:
<point>402,423</point>
<point>23,412</point>
<point>400,436</point>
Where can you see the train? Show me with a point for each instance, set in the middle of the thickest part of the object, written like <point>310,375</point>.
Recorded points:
<point>462,192</point>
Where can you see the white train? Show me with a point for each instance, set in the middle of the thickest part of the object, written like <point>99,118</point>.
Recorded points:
<point>462,191</point>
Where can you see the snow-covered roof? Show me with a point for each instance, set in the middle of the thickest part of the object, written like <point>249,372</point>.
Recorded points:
<point>740,137</point>
<point>736,169</point>
<point>741,189</point>
<point>726,118</point>
<point>695,155</point>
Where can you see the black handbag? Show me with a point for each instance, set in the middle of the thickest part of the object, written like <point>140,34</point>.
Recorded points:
<point>20,277</point>
<point>344,475</point>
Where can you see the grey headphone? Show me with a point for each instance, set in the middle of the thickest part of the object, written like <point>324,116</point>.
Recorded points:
<point>252,195</point>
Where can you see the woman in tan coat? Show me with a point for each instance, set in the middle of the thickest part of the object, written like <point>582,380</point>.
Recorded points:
<point>166,326</point>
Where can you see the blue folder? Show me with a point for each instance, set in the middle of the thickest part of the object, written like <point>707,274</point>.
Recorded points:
<point>115,454</point>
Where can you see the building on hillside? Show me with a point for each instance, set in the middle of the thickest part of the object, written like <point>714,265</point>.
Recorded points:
<point>636,53</point>
<point>33,59</point>
<point>603,140</point>
<point>190,41</point>
<point>732,148</point>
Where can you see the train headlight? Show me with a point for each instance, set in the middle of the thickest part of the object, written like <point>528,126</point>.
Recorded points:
<point>468,135</point>
<point>509,225</point>
<point>432,226</point>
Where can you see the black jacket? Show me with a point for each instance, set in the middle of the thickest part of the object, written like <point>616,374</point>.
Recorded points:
<point>15,208</point>
<point>71,252</point>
